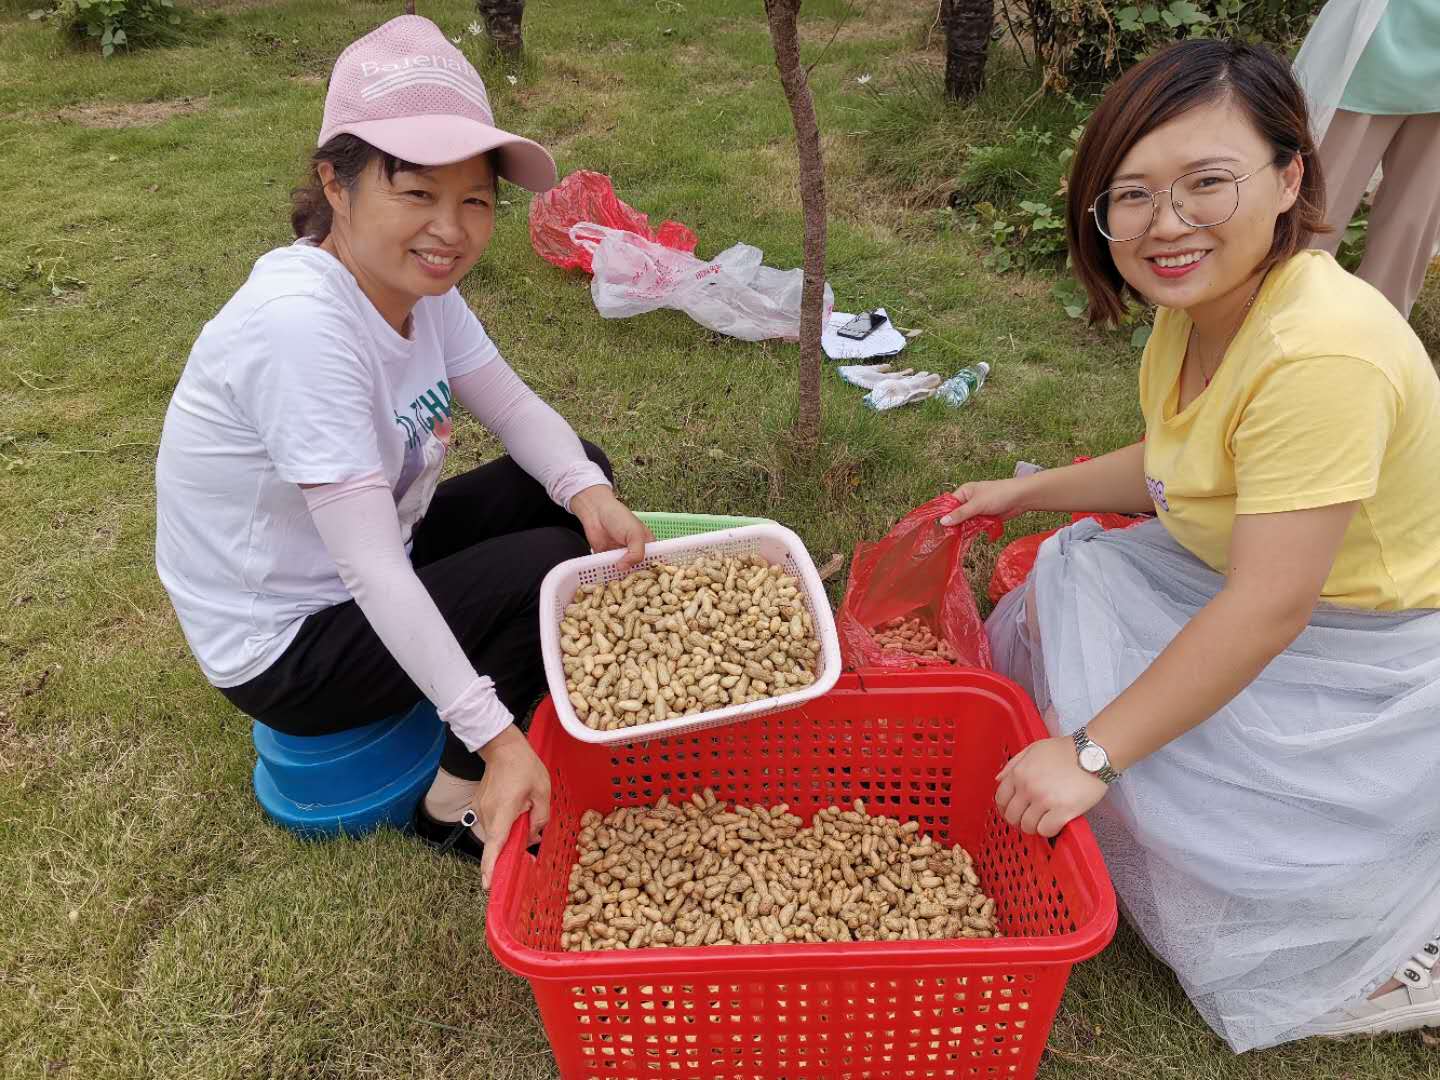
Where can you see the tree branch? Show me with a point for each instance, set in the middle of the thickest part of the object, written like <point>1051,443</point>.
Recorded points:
<point>783,16</point>
<point>839,25</point>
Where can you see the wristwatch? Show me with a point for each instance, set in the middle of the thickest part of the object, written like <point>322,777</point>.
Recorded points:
<point>1093,758</point>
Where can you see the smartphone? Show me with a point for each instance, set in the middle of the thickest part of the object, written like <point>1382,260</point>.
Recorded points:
<point>862,325</point>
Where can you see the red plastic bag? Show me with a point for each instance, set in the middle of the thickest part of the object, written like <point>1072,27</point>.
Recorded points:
<point>1018,559</point>
<point>589,196</point>
<point>916,572</point>
<point>1015,563</point>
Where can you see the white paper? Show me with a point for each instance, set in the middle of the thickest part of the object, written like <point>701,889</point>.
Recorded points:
<point>886,341</point>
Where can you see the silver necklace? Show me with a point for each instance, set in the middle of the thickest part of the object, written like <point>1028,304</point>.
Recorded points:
<point>1241,322</point>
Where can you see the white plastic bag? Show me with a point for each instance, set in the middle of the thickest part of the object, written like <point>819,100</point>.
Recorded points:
<point>732,294</point>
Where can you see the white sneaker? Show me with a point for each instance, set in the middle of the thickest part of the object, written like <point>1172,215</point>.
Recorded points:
<point>1414,1004</point>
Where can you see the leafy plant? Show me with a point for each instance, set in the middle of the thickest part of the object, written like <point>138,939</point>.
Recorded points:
<point>994,227</point>
<point>1087,42</point>
<point>114,24</point>
<point>1042,230</point>
<point>1071,296</point>
<point>1352,243</point>
<point>1025,236</point>
<point>1015,191</point>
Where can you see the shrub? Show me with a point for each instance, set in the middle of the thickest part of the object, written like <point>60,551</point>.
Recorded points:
<point>114,24</point>
<point>996,169</point>
<point>1009,195</point>
<point>1088,42</point>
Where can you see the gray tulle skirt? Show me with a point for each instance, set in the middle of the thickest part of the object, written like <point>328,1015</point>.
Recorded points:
<point>1284,856</point>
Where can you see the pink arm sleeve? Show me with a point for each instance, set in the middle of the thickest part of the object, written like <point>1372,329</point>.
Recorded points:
<point>357,521</point>
<point>534,434</point>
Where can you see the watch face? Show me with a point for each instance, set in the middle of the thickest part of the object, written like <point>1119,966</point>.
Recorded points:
<point>1093,759</point>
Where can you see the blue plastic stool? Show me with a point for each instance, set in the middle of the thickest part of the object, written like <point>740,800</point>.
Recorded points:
<point>350,782</point>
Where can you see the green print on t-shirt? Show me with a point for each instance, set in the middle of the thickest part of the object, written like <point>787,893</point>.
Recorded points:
<point>436,402</point>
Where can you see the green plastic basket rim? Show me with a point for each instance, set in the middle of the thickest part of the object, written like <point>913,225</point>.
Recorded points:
<point>712,521</point>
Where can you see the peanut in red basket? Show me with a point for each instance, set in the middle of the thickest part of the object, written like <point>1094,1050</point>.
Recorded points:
<point>699,873</point>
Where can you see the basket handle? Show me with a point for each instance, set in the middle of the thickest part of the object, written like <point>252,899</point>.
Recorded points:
<point>507,868</point>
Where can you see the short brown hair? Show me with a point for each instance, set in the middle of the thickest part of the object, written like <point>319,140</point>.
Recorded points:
<point>1154,92</point>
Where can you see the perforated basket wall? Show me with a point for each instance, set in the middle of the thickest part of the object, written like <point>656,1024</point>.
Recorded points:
<point>913,747</point>
<point>667,526</point>
<point>772,542</point>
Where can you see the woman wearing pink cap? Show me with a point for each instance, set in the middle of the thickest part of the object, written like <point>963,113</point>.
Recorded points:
<point>324,580</point>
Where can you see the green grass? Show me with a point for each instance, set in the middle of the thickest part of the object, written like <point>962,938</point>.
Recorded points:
<point>154,924</point>
<point>925,144</point>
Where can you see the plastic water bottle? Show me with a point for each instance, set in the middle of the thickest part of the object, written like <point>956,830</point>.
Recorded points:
<point>963,385</point>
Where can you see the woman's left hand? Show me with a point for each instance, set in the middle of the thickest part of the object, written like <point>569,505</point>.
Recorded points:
<point>1043,787</point>
<point>609,524</point>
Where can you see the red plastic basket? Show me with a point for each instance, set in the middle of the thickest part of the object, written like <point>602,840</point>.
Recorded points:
<point>923,745</point>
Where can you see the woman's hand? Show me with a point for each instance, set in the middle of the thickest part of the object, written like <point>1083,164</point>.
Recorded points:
<point>1000,498</point>
<point>1043,787</point>
<point>515,781</point>
<point>609,524</point>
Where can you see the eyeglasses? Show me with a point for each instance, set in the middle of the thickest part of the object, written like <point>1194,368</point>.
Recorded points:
<point>1201,199</point>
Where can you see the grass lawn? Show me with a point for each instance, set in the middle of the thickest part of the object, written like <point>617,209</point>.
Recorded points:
<point>153,923</point>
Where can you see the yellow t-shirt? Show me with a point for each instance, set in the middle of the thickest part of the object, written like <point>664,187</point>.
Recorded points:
<point>1325,396</point>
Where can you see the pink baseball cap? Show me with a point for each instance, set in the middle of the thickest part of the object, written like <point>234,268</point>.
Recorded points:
<point>406,90</point>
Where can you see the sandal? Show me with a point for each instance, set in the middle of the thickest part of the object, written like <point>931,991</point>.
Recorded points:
<point>452,837</point>
<point>1414,1004</point>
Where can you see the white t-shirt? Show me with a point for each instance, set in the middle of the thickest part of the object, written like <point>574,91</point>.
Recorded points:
<point>298,380</point>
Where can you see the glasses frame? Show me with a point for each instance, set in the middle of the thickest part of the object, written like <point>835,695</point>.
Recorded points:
<point>1155,202</point>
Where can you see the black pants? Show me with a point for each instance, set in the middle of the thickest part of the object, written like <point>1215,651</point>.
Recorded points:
<point>488,540</point>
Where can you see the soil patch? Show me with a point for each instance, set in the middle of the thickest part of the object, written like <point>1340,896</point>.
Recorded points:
<point>140,114</point>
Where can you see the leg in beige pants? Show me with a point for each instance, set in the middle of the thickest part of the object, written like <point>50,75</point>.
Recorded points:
<point>1405,218</point>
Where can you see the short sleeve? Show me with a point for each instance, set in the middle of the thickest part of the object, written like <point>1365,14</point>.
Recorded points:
<point>1159,363</point>
<point>1313,434</point>
<point>298,375</point>
<point>467,346</point>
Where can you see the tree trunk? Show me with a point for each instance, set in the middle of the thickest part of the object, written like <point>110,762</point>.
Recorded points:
<point>409,7</point>
<point>967,38</point>
<point>784,34</point>
<point>502,23</point>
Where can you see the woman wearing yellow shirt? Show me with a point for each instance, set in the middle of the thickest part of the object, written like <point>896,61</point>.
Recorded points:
<point>1245,693</point>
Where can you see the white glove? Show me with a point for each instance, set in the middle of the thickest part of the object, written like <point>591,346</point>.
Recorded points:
<point>893,392</point>
<point>868,376</point>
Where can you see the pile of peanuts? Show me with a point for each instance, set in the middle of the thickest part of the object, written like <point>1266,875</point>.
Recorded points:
<point>697,873</point>
<point>913,637</point>
<point>670,641</point>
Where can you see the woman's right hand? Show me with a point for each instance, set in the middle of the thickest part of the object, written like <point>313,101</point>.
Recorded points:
<point>998,498</point>
<point>515,782</point>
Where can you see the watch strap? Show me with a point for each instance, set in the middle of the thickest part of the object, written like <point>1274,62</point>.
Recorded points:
<point>1106,773</point>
